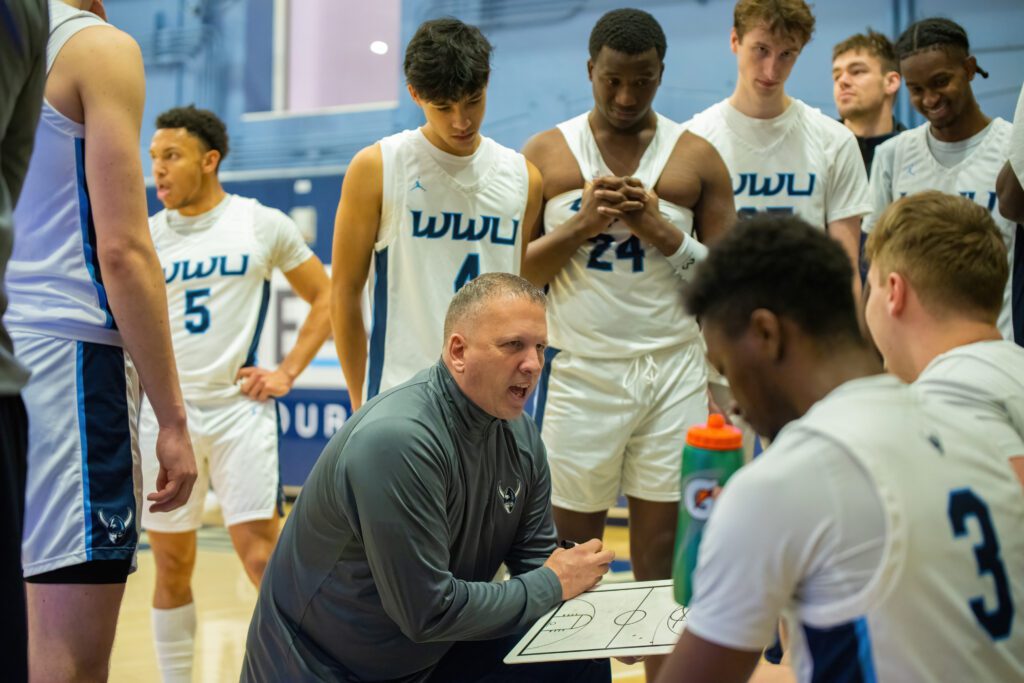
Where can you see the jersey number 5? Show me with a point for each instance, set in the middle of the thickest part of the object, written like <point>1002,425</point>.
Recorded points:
<point>197,316</point>
<point>963,503</point>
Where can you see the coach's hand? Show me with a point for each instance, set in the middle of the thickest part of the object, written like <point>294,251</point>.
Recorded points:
<point>177,469</point>
<point>581,567</point>
<point>260,384</point>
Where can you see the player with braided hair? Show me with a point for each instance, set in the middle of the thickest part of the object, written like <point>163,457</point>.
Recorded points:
<point>959,150</point>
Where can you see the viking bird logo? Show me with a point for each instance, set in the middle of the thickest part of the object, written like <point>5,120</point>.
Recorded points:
<point>508,496</point>
<point>117,528</point>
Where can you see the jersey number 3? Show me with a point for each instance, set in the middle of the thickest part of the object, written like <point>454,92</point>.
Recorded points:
<point>963,503</point>
<point>197,315</point>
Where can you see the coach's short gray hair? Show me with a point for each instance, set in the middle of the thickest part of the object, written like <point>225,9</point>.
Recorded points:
<point>468,301</point>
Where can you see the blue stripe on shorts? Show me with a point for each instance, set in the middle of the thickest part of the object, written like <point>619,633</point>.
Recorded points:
<point>107,470</point>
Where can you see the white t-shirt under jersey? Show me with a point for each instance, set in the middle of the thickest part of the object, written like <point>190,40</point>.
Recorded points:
<point>217,267</point>
<point>800,162</point>
<point>617,296</point>
<point>905,165</point>
<point>444,220</point>
<point>861,525</point>
<point>984,376</point>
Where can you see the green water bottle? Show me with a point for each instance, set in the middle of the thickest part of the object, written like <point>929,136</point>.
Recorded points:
<point>712,453</point>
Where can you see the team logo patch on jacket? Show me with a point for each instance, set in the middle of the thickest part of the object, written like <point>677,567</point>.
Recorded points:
<point>508,496</point>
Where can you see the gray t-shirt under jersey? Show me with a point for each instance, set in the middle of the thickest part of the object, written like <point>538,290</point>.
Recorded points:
<point>387,559</point>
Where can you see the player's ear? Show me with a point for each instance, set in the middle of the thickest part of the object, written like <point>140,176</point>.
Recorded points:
<point>891,82</point>
<point>211,159</point>
<point>971,66</point>
<point>734,40</point>
<point>898,291</point>
<point>414,96</point>
<point>590,70</point>
<point>455,349</point>
<point>764,333</point>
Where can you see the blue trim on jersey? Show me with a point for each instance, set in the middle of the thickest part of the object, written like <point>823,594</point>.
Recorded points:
<point>378,333</point>
<point>83,444</point>
<point>773,653</point>
<point>250,356</point>
<point>864,654</point>
<point>839,655</point>
<point>542,386</point>
<point>1017,287</point>
<point>108,483</point>
<point>88,228</point>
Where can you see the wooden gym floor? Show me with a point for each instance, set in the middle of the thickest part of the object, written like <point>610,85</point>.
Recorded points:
<point>224,603</point>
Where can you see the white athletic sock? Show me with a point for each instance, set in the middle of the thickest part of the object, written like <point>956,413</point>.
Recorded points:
<point>174,632</point>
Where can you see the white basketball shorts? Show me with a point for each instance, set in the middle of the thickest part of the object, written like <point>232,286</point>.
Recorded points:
<point>235,443</point>
<point>84,482</point>
<point>619,425</point>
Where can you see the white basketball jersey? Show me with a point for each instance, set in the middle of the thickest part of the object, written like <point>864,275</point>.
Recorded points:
<point>946,603</point>
<point>53,278</point>
<point>985,375</point>
<point>436,234</point>
<point>218,288</point>
<point>617,296</point>
<point>1016,152</point>
<point>905,165</point>
<point>800,162</point>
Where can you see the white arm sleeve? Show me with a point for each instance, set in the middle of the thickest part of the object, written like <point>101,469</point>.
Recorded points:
<point>881,183</point>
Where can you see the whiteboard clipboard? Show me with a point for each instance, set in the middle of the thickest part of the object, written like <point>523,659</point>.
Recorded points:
<point>612,620</point>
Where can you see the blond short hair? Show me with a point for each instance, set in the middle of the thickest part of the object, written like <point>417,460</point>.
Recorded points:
<point>470,300</point>
<point>781,17</point>
<point>949,250</point>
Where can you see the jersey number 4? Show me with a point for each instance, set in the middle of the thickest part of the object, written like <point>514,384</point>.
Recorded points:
<point>963,504</point>
<point>469,270</point>
<point>197,315</point>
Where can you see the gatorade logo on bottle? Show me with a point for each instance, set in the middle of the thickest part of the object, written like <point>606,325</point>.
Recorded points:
<point>699,495</point>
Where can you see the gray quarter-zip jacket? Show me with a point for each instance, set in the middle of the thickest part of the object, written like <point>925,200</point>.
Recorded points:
<point>388,555</point>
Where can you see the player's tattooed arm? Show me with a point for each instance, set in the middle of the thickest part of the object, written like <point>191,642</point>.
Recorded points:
<point>310,282</point>
<point>355,232</point>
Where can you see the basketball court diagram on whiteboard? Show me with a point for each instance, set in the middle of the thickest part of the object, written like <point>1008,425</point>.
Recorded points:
<point>626,619</point>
